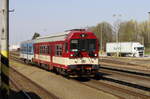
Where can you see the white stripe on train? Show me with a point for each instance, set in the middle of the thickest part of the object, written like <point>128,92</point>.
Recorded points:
<point>68,61</point>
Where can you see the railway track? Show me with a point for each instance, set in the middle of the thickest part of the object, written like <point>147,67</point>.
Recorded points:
<point>118,87</point>
<point>126,70</point>
<point>123,87</point>
<point>120,70</point>
<point>34,90</point>
<point>130,74</point>
<point>122,93</point>
<point>126,64</point>
<point>22,94</point>
<point>124,77</point>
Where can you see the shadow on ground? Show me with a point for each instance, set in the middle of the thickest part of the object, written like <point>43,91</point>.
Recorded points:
<point>86,79</point>
<point>18,95</point>
<point>129,84</point>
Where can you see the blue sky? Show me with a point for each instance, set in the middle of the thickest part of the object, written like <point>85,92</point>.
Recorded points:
<point>51,16</point>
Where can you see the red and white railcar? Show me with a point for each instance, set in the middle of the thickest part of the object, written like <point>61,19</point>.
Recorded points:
<point>74,52</point>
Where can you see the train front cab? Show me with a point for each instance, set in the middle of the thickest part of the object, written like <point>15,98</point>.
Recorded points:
<point>82,52</point>
<point>77,54</point>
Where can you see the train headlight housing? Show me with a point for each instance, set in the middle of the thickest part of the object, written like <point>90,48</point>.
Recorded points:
<point>95,55</point>
<point>71,55</point>
<point>72,67</point>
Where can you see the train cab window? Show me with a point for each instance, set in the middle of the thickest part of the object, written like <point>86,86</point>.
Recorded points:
<point>83,45</point>
<point>92,44</point>
<point>74,45</point>
<point>66,47</point>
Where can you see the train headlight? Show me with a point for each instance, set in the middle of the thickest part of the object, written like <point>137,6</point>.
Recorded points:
<point>71,55</point>
<point>95,54</point>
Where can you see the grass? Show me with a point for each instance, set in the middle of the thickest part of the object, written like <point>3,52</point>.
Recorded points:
<point>147,51</point>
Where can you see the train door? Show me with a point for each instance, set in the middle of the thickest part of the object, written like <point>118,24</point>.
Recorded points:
<point>51,56</point>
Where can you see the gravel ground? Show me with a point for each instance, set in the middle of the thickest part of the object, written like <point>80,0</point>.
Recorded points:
<point>60,86</point>
<point>135,63</point>
<point>145,61</point>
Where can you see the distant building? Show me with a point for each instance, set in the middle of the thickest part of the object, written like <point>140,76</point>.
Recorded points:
<point>15,47</point>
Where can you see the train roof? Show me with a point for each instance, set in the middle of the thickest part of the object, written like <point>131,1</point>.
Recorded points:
<point>28,41</point>
<point>52,37</point>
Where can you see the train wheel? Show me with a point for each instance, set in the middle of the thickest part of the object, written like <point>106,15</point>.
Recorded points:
<point>26,62</point>
<point>57,71</point>
<point>66,75</point>
<point>47,67</point>
<point>61,71</point>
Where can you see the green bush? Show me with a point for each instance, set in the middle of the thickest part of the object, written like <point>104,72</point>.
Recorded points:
<point>147,51</point>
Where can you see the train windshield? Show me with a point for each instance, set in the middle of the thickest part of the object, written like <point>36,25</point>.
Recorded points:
<point>83,45</point>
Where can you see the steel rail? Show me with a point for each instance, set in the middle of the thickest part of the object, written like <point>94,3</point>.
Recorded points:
<point>125,74</point>
<point>35,84</point>
<point>108,87</point>
<point>16,85</point>
<point>126,70</point>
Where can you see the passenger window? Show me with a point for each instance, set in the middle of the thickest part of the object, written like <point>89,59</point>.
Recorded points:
<point>40,49</point>
<point>58,51</point>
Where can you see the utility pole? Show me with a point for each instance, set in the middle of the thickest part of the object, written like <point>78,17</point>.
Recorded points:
<point>149,15</point>
<point>5,50</point>
<point>116,29</point>
<point>148,27</point>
